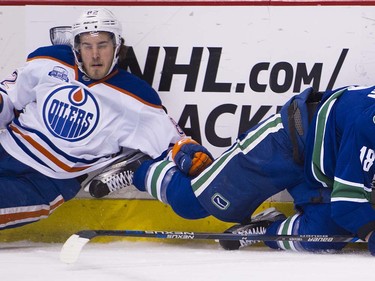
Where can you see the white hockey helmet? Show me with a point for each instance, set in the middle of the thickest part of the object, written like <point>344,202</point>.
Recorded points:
<point>96,20</point>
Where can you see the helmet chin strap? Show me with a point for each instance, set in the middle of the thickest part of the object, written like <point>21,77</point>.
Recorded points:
<point>115,59</point>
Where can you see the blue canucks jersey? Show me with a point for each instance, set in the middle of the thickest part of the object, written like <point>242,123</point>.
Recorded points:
<point>340,154</point>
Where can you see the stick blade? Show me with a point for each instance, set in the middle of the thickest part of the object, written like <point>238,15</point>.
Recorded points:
<point>72,248</point>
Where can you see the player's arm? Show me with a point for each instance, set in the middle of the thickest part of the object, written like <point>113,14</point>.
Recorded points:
<point>16,90</point>
<point>352,187</point>
<point>6,105</point>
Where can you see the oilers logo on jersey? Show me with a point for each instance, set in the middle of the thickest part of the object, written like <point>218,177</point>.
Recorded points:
<point>70,112</point>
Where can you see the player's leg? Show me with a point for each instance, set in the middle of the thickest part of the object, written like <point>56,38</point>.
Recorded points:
<point>259,165</point>
<point>314,219</point>
<point>28,196</point>
<point>265,160</point>
<point>164,181</point>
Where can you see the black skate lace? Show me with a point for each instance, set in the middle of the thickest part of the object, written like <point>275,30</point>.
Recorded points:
<point>120,180</point>
<point>252,231</point>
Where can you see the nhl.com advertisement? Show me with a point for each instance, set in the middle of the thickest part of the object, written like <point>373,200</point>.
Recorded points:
<point>221,69</point>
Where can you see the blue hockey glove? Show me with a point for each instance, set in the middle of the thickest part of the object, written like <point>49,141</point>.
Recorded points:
<point>191,157</point>
<point>371,243</point>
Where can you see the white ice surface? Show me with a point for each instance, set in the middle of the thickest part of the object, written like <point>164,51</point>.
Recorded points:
<point>143,260</point>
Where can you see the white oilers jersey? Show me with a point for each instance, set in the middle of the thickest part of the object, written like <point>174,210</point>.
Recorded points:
<point>69,125</point>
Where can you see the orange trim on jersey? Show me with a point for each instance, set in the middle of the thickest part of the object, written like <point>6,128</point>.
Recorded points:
<point>102,81</point>
<point>76,72</point>
<point>22,217</point>
<point>51,58</point>
<point>133,96</point>
<point>46,153</point>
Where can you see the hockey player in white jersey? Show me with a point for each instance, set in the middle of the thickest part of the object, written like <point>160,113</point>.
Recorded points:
<point>71,111</point>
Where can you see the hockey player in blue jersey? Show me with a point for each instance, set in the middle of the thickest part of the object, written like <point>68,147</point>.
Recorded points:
<point>338,169</point>
<point>322,153</point>
<point>69,113</point>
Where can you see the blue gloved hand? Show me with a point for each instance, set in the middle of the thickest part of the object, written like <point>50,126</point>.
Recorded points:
<point>191,157</point>
<point>371,243</point>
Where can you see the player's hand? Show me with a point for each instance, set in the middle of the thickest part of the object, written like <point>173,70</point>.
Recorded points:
<point>371,243</point>
<point>191,157</point>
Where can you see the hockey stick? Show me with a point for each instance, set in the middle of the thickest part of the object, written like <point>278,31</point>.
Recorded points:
<point>74,245</point>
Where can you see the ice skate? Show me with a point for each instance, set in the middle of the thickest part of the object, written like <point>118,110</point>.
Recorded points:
<point>257,226</point>
<point>117,176</point>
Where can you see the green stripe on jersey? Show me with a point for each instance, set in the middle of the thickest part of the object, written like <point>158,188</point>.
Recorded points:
<point>350,192</point>
<point>284,231</point>
<point>156,175</point>
<point>271,125</point>
<point>320,129</point>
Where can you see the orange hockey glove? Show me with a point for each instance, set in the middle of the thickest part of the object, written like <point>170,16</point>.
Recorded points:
<point>191,157</point>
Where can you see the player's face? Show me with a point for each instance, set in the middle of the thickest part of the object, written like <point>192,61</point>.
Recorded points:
<point>97,51</point>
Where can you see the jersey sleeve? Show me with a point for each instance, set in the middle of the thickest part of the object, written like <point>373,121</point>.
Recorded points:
<point>6,109</point>
<point>19,88</point>
<point>351,195</point>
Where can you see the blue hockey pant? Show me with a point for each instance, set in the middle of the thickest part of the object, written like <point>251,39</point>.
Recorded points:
<point>26,195</point>
<point>261,163</point>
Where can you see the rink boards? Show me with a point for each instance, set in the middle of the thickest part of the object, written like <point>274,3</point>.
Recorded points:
<point>118,214</point>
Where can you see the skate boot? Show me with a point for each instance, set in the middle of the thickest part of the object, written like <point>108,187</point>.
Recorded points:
<point>257,226</point>
<point>117,176</point>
